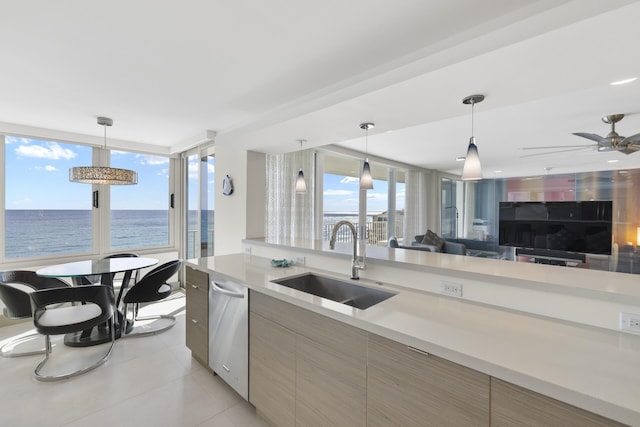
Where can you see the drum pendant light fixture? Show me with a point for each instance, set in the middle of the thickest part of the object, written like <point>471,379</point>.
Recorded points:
<point>366,181</point>
<point>103,174</point>
<point>471,170</point>
<point>301,185</point>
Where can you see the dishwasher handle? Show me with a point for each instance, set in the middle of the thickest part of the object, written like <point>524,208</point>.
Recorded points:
<point>219,288</point>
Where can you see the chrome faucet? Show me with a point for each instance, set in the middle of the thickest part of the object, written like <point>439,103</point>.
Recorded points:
<point>355,265</point>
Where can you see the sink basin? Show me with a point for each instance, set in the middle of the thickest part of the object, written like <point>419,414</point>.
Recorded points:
<point>336,290</point>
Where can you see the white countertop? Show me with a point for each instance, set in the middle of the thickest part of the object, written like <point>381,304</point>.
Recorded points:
<point>592,368</point>
<point>570,280</point>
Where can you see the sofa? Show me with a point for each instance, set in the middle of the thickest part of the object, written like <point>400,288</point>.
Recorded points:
<point>446,247</point>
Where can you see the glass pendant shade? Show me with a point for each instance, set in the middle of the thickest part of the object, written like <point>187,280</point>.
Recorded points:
<point>471,170</point>
<point>102,175</point>
<point>366,182</point>
<point>301,185</point>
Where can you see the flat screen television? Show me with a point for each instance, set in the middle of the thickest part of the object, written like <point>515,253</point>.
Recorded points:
<point>557,230</point>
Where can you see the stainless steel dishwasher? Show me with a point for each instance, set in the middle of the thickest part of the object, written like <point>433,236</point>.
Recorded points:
<point>229,333</point>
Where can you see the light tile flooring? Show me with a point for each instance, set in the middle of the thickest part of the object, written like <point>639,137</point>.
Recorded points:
<point>147,381</point>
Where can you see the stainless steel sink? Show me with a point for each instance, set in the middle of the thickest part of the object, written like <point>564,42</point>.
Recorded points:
<point>336,290</point>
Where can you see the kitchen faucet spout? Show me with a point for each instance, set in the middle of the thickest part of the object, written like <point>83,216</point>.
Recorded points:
<point>355,266</point>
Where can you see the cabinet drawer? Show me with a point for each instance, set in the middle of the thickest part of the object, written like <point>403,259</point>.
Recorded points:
<point>197,279</point>
<point>197,339</point>
<point>515,406</point>
<point>321,329</point>
<point>406,387</point>
<point>197,306</point>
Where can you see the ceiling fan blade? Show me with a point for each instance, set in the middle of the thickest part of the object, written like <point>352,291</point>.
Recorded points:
<point>593,137</point>
<point>633,139</point>
<point>559,151</point>
<point>551,147</point>
<point>630,149</point>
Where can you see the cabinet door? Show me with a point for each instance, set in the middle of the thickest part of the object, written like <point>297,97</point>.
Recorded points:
<point>512,405</point>
<point>330,386</point>
<point>272,370</point>
<point>410,388</point>
<point>197,314</point>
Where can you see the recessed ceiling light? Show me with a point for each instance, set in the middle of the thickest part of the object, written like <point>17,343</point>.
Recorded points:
<point>613,161</point>
<point>497,171</point>
<point>624,81</point>
<point>460,159</point>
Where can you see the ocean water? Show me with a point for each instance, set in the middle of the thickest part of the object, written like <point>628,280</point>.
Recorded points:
<point>35,233</point>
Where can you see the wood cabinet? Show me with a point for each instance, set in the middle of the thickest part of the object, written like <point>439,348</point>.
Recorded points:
<point>514,406</point>
<point>272,365</point>
<point>306,369</point>
<point>197,314</point>
<point>324,375</point>
<point>406,387</point>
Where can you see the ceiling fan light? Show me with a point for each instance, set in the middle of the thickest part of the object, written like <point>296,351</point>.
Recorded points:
<point>301,185</point>
<point>366,181</point>
<point>471,170</point>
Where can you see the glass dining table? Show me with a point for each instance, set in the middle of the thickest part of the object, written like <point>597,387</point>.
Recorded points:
<point>105,268</point>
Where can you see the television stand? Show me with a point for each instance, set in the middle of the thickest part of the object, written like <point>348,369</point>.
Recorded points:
<point>552,257</point>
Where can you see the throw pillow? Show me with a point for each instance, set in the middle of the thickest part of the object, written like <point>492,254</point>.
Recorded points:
<point>431,238</point>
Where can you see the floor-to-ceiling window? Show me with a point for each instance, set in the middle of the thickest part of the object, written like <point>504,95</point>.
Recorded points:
<point>45,215</point>
<point>140,213</point>
<point>377,213</point>
<point>200,202</point>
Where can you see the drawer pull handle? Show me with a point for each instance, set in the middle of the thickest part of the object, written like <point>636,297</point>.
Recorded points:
<point>417,350</point>
<point>226,369</point>
<point>194,320</point>
<point>194,286</point>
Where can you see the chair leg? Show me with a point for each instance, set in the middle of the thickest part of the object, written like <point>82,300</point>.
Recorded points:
<point>10,349</point>
<point>41,377</point>
<point>141,331</point>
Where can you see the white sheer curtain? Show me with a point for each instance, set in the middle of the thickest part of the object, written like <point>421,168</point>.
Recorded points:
<point>290,215</point>
<point>415,206</point>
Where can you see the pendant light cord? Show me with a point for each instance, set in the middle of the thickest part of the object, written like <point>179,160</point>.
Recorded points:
<point>473,104</point>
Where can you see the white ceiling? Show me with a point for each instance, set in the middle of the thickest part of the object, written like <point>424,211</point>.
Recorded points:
<point>264,73</point>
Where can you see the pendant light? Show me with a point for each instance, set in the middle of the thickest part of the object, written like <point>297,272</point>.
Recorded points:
<point>103,174</point>
<point>471,170</point>
<point>366,181</point>
<point>301,185</point>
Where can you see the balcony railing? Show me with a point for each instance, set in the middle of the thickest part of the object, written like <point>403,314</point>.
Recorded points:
<point>375,231</point>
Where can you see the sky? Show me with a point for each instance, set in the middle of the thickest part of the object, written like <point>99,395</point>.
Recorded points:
<point>37,177</point>
<point>341,194</point>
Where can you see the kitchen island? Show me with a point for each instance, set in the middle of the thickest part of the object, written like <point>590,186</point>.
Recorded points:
<point>589,367</point>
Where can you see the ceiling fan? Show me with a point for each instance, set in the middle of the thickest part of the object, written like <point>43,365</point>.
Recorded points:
<point>612,142</point>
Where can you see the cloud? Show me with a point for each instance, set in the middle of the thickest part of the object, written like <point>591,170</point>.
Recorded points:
<point>17,139</point>
<point>336,192</point>
<point>47,168</point>
<point>350,180</point>
<point>50,150</point>
<point>146,159</point>
<point>22,202</point>
<point>377,196</point>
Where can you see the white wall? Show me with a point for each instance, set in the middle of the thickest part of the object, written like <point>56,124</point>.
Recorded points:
<point>241,214</point>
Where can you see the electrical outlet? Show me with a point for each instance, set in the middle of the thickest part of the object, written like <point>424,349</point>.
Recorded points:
<point>451,289</point>
<point>630,322</point>
<point>300,260</point>
<point>247,250</point>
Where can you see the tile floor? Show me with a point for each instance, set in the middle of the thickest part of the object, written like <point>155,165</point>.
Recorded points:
<point>147,381</point>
